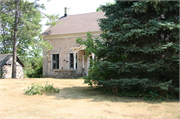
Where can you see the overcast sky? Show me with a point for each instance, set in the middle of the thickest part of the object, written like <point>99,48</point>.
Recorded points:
<point>76,7</point>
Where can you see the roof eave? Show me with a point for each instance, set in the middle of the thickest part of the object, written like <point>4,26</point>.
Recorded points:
<point>70,35</point>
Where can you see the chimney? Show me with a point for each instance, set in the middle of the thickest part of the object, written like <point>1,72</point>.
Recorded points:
<point>66,11</point>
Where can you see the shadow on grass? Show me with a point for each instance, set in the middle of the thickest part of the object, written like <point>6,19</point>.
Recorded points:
<point>97,95</point>
<point>63,78</point>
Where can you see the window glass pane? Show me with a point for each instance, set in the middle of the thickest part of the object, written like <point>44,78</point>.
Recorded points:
<point>55,62</point>
<point>71,56</point>
<point>71,66</point>
<point>71,61</point>
<point>76,60</point>
<point>53,57</point>
<point>57,65</point>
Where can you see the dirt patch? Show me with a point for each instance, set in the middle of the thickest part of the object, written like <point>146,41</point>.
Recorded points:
<point>76,100</point>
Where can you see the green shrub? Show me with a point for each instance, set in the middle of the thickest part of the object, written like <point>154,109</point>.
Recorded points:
<point>50,89</point>
<point>39,89</point>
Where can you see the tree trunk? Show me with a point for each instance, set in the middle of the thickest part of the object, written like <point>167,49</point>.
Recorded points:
<point>15,40</point>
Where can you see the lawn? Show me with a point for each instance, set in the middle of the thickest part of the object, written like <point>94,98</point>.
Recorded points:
<point>76,100</point>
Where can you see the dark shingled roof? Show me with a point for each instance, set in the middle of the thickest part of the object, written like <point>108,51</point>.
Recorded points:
<point>5,57</point>
<point>79,23</point>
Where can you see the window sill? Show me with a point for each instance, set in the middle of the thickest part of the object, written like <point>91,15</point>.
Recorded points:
<point>63,70</point>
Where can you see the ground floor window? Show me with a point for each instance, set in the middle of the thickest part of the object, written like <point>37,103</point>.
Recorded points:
<point>71,59</point>
<point>55,61</point>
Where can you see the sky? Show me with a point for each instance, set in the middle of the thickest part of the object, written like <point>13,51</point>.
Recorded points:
<point>76,7</point>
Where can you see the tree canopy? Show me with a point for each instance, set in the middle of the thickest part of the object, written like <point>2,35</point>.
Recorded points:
<point>101,6</point>
<point>23,17</point>
<point>139,49</point>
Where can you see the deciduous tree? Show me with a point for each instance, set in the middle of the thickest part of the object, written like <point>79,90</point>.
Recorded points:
<point>20,21</point>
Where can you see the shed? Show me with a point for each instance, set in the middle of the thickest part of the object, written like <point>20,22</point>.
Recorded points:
<point>6,66</point>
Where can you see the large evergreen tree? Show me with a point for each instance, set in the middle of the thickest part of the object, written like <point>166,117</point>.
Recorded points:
<point>140,48</point>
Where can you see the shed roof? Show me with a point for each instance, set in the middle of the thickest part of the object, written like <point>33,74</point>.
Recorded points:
<point>76,24</point>
<point>5,57</point>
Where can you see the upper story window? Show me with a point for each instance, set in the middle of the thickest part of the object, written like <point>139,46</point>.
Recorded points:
<point>55,61</point>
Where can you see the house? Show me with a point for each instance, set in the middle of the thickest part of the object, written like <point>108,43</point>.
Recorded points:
<point>66,60</point>
<point>6,66</point>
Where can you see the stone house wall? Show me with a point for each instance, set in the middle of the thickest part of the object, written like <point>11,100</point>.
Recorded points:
<point>62,47</point>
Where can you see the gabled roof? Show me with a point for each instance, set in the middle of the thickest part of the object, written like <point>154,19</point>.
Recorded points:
<point>76,24</point>
<point>5,57</point>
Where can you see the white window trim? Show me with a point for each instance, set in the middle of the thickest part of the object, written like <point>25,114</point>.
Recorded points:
<point>52,61</point>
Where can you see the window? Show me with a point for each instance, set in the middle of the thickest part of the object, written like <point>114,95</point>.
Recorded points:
<point>71,59</point>
<point>55,61</point>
